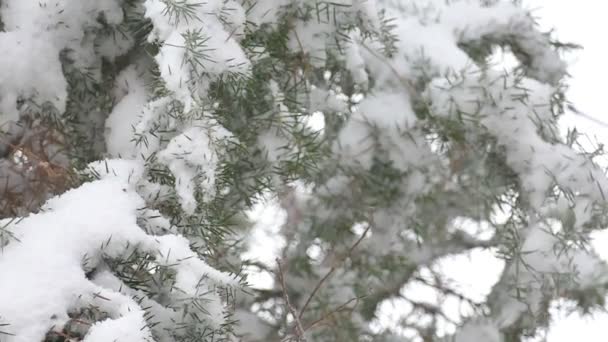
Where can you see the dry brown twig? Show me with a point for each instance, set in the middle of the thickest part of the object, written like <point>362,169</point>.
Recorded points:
<point>330,314</point>
<point>288,201</point>
<point>333,269</point>
<point>33,164</point>
<point>292,309</point>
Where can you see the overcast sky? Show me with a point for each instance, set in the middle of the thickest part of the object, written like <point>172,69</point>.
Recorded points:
<point>583,22</point>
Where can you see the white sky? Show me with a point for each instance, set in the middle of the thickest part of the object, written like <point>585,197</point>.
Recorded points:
<point>583,22</point>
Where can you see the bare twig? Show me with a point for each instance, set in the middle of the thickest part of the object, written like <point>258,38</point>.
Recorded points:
<point>340,308</point>
<point>292,309</point>
<point>332,270</point>
<point>576,111</point>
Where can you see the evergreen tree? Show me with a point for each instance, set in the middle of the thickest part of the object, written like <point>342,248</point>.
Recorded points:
<point>137,135</point>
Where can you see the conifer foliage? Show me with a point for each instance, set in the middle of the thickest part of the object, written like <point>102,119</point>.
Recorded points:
<point>136,135</point>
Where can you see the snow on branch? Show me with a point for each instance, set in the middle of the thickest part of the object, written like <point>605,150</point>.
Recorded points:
<point>55,252</point>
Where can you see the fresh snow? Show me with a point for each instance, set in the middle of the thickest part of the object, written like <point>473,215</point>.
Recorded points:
<point>75,232</point>
<point>47,257</point>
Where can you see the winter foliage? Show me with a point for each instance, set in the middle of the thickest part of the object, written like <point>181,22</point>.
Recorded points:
<point>137,135</point>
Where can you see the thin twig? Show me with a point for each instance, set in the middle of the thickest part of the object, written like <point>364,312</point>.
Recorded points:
<point>31,155</point>
<point>576,111</point>
<point>332,270</point>
<point>292,309</point>
<point>336,310</point>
